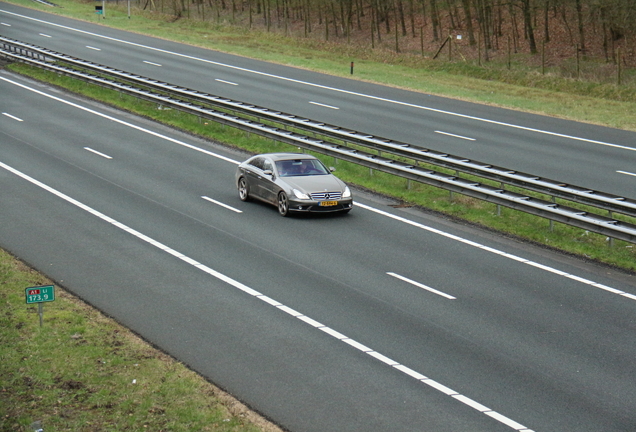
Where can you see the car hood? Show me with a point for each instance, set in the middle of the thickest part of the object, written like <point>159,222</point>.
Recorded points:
<point>316,183</point>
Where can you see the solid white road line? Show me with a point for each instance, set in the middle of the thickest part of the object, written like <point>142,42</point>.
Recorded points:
<point>97,153</point>
<point>496,251</point>
<point>417,284</point>
<point>121,122</point>
<point>236,284</point>
<point>222,205</point>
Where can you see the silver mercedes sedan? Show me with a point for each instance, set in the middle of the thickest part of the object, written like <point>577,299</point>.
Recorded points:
<point>294,182</point>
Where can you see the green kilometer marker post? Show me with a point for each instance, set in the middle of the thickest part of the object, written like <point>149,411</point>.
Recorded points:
<point>40,295</point>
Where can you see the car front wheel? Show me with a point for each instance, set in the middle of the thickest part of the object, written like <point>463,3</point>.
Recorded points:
<point>283,204</point>
<point>243,189</point>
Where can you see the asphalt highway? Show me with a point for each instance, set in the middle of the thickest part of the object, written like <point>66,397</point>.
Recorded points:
<point>585,155</point>
<point>383,319</point>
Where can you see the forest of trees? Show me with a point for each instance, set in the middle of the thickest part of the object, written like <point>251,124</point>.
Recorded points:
<point>595,27</point>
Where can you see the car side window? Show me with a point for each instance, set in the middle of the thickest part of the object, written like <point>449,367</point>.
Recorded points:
<point>258,163</point>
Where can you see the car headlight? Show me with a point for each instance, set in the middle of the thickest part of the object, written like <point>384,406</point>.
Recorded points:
<point>300,195</point>
<point>346,193</point>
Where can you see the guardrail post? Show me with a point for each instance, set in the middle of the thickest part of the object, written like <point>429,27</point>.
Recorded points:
<point>408,180</point>
<point>452,196</point>
<point>551,221</point>
<point>551,225</point>
<point>503,187</point>
<point>611,239</point>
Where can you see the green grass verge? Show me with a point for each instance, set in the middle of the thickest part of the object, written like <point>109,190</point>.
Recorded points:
<point>521,225</point>
<point>81,371</point>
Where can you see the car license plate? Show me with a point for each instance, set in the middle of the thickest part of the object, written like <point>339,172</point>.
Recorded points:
<point>328,203</point>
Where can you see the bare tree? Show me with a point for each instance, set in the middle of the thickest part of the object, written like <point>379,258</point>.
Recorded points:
<point>435,19</point>
<point>527,20</point>
<point>469,21</point>
<point>400,13</point>
<point>579,16</point>
<point>484,14</point>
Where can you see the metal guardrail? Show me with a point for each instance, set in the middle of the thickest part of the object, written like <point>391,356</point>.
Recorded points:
<point>199,103</point>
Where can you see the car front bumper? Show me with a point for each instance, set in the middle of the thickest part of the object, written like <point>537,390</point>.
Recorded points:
<point>315,207</point>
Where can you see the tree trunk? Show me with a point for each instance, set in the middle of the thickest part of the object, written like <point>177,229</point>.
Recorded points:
<point>527,19</point>
<point>412,16</point>
<point>434,19</point>
<point>400,9</point>
<point>546,20</point>
<point>579,15</point>
<point>484,25</point>
<point>469,21</point>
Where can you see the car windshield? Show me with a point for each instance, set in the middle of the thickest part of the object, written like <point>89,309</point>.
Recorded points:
<point>300,167</point>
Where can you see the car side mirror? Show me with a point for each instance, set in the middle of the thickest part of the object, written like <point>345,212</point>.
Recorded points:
<point>268,172</point>
<point>331,169</point>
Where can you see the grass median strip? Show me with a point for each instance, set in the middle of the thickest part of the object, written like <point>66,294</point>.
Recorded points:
<point>82,371</point>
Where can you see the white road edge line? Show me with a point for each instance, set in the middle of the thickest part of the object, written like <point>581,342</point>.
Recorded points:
<point>455,136</point>
<point>378,211</point>
<point>236,284</point>
<point>627,173</point>
<point>12,117</point>
<point>226,82</point>
<point>495,251</point>
<point>221,204</point>
<point>116,120</point>
<point>323,105</point>
<point>97,153</point>
<point>417,284</point>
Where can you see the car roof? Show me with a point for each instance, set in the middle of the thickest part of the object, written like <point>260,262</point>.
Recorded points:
<point>287,156</point>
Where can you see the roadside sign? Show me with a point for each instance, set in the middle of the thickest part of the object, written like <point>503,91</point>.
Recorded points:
<point>40,294</point>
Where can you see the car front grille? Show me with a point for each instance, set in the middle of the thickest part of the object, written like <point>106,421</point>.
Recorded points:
<point>325,196</point>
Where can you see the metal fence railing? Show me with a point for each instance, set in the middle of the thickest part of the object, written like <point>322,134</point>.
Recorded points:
<point>382,154</point>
